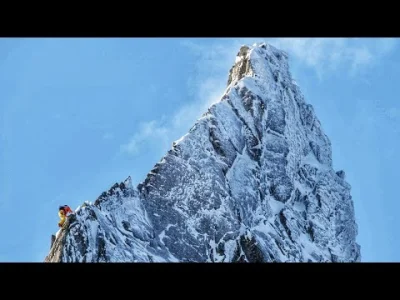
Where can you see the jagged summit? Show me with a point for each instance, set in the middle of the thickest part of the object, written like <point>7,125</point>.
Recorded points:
<point>251,181</point>
<point>243,66</point>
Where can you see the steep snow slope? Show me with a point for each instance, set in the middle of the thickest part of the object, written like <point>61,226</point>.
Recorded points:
<point>252,181</point>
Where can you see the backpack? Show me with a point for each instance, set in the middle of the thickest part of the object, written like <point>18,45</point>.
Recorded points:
<point>65,208</point>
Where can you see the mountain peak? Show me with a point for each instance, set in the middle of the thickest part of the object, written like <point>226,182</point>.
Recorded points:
<point>252,181</point>
<point>254,60</point>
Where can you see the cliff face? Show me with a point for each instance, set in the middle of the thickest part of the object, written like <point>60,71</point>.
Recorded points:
<point>251,181</point>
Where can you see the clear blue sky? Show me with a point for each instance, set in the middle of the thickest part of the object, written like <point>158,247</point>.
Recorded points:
<point>78,115</point>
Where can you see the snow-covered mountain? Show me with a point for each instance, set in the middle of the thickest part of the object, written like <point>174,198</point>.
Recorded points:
<point>251,181</point>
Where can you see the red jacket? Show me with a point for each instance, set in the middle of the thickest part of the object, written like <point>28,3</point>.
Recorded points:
<point>67,209</point>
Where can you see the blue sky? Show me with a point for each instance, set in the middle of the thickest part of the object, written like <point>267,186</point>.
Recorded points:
<point>78,115</point>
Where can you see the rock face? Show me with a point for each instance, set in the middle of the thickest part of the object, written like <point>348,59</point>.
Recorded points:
<point>251,182</point>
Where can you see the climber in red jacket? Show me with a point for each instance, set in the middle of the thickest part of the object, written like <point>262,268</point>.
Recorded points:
<point>63,212</point>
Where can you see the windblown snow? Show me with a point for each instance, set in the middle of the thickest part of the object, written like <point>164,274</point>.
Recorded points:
<point>252,181</point>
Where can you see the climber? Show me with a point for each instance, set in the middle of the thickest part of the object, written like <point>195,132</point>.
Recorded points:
<point>63,212</point>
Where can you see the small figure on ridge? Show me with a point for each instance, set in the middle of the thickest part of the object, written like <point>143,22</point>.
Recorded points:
<point>63,212</point>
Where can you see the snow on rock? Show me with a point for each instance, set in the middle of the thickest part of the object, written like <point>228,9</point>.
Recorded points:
<point>251,181</point>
